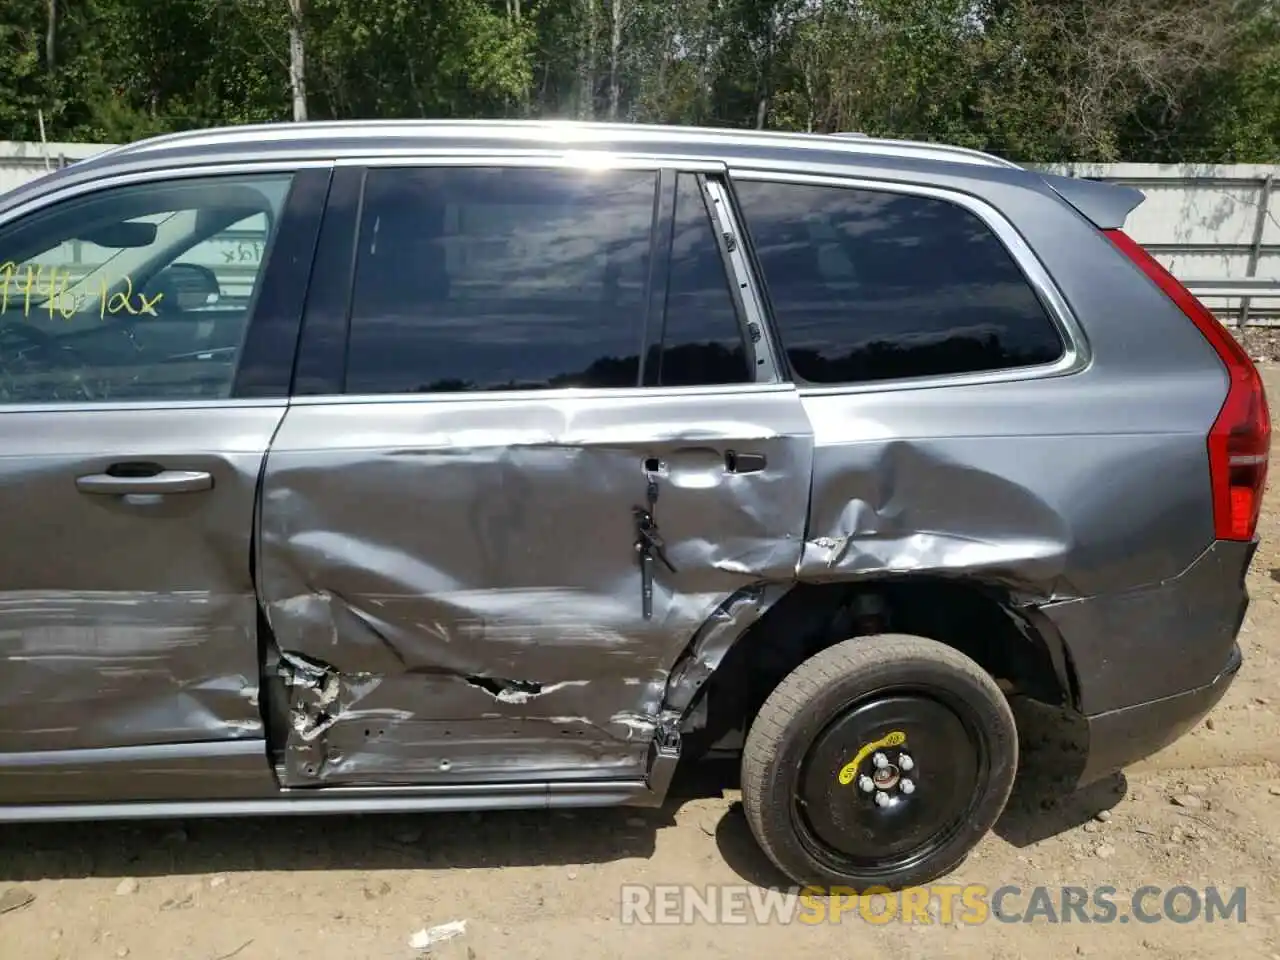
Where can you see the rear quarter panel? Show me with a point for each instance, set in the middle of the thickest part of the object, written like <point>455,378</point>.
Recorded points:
<point>1089,484</point>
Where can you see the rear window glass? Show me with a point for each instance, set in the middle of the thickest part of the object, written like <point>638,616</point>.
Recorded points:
<point>474,279</point>
<point>870,285</point>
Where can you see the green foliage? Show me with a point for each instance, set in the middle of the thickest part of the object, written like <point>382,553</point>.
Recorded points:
<point>1035,80</point>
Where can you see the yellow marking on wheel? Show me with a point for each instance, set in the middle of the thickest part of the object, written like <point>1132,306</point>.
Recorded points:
<point>850,770</point>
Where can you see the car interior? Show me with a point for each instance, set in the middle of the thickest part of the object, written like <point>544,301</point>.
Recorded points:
<point>140,320</point>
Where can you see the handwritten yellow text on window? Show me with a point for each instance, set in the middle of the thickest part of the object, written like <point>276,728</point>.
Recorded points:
<point>30,285</point>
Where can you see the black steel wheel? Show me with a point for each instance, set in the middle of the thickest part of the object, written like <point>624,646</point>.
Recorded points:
<point>879,762</point>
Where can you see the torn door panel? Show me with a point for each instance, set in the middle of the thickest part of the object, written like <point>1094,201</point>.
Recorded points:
<point>416,547</point>
<point>85,670</point>
<point>1036,514</point>
<point>721,630</point>
<point>466,632</point>
<point>402,752</point>
<point>357,728</point>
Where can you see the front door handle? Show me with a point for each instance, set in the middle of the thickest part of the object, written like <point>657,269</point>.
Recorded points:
<point>166,481</point>
<point>744,462</point>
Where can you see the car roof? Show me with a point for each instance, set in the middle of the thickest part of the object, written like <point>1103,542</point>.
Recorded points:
<point>843,153</point>
<point>334,140</point>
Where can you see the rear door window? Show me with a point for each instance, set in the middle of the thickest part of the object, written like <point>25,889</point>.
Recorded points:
<point>702,342</point>
<point>491,279</point>
<point>869,285</point>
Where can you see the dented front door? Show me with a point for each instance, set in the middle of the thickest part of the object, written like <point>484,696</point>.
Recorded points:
<point>482,561</point>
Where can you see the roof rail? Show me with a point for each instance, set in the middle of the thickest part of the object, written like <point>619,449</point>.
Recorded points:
<point>281,132</point>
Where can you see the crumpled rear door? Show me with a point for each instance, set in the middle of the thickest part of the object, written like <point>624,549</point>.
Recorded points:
<point>494,586</point>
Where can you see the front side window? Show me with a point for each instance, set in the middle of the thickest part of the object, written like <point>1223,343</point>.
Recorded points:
<point>134,293</point>
<point>486,279</point>
<point>869,285</point>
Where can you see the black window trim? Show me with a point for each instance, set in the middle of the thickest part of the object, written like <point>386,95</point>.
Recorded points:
<point>665,170</point>
<point>269,348</point>
<point>1076,355</point>
<point>320,362</point>
<point>661,236</point>
<point>160,174</point>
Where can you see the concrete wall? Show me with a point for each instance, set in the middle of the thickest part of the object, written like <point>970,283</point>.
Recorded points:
<point>20,162</point>
<point>1206,223</point>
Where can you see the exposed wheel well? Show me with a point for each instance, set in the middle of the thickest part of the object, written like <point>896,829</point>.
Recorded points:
<point>975,619</point>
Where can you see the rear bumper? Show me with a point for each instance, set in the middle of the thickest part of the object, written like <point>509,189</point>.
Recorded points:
<point>1119,738</point>
<point>1150,663</point>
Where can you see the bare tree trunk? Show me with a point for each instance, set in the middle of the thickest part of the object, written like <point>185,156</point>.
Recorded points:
<point>297,61</point>
<point>615,50</point>
<point>516,5</point>
<point>587,67</point>
<point>766,68</point>
<point>51,36</point>
<point>705,54</point>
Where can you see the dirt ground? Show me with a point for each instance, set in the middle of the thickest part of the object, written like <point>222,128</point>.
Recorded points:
<point>547,885</point>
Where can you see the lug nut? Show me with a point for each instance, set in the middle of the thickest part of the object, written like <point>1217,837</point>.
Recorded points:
<point>905,762</point>
<point>880,761</point>
<point>882,799</point>
<point>907,786</point>
<point>866,784</point>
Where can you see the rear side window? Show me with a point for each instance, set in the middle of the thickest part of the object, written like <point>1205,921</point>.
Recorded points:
<point>869,285</point>
<point>473,279</point>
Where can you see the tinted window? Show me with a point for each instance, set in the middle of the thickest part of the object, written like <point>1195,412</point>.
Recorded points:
<point>134,293</point>
<point>702,340</point>
<point>500,279</point>
<point>869,285</point>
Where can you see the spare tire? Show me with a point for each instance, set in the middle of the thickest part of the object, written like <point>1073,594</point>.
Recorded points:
<point>878,762</point>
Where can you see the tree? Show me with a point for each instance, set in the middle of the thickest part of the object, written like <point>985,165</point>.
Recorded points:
<point>297,61</point>
<point>1035,80</point>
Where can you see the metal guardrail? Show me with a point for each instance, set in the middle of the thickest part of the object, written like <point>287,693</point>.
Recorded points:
<point>1247,290</point>
<point>1244,287</point>
<point>1199,230</point>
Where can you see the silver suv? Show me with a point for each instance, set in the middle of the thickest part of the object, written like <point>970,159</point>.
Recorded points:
<point>425,466</point>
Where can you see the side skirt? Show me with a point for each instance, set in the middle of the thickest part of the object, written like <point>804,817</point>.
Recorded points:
<point>234,779</point>
<point>351,800</point>
<point>217,770</point>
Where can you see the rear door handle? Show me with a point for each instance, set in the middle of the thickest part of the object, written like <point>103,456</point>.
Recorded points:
<point>166,481</point>
<point>744,462</point>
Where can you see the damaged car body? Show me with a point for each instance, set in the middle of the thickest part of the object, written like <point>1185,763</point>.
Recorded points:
<point>453,465</point>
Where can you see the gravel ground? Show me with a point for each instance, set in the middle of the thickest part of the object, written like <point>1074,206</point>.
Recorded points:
<point>1205,812</point>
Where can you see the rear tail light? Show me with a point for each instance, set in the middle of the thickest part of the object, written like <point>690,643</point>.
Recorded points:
<point>1240,438</point>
